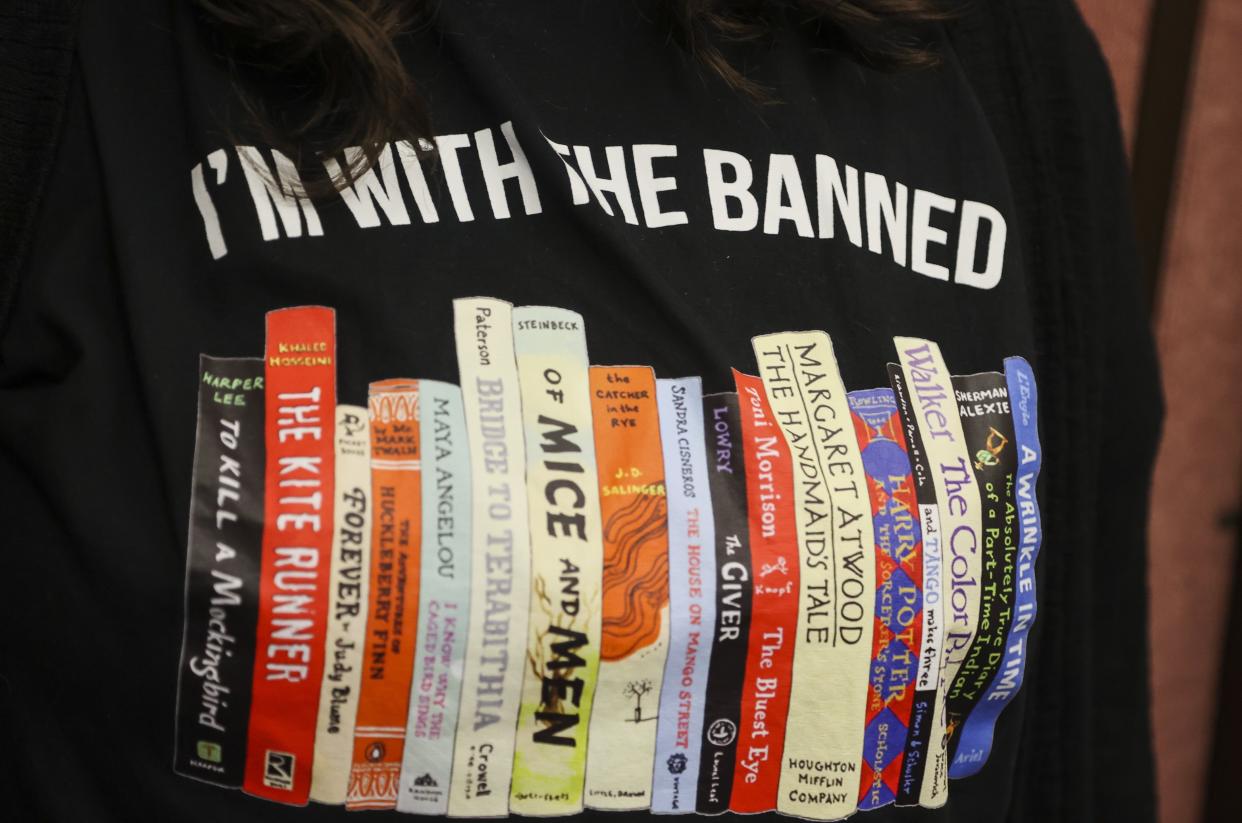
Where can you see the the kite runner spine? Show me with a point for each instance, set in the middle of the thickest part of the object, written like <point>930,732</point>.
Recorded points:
<point>299,408</point>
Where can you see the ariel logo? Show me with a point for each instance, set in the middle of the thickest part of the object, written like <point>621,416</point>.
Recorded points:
<point>989,455</point>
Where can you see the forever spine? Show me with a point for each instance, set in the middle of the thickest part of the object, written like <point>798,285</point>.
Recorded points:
<point>347,603</point>
<point>299,404</point>
<point>222,562</point>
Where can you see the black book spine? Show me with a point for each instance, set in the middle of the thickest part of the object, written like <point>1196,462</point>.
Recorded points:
<point>222,572</point>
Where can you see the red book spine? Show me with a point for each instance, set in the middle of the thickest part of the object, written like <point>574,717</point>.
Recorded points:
<point>300,404</point>
<point>774,604</point>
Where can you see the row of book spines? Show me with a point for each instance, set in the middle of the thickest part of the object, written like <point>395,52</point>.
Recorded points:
<point>303,395</point>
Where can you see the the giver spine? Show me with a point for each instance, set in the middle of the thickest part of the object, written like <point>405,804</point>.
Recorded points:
<point>299,406</point>
<point>222,572</point>
<point>727,481</point>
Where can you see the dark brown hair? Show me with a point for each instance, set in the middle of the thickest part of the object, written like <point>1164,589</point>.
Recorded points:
<point>318,76</point>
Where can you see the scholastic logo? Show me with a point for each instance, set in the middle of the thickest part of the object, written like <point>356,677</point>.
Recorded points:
<point>278,770</point>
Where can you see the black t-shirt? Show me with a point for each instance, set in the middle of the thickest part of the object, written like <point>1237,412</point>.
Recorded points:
<point>581,161</point>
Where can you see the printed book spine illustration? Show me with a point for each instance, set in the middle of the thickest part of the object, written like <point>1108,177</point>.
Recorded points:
<point>692,596</point>
<point>347,608</point>
<point>931,395</point>
<point>621,744</point>
<point>726,473</point>
<point>931,648</point>
<point>443,602</point>
<point>561,661</point>
<point>774,609</point>
<point>299,404</point>
<point>222,572</point>
<point>983,405</point>
<point>836,600</point>
<point>898,592</point>
<point>500,577</point>
<point>392,620</point>
<point>975,737</point>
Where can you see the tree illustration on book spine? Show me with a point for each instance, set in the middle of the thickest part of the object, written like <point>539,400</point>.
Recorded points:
<point>621,744</point>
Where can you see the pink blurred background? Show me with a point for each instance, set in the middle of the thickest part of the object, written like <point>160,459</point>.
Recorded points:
<point>1198,323</point>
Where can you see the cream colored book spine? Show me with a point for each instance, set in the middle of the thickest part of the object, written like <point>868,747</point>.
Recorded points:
<point>824,730</point>
<point>500,563</point>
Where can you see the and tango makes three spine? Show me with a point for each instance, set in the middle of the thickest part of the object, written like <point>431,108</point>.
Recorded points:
<point>299,483</point>
<point>222,564</point>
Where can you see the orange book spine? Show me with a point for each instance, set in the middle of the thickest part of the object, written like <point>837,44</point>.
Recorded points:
<point>392,616</point>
